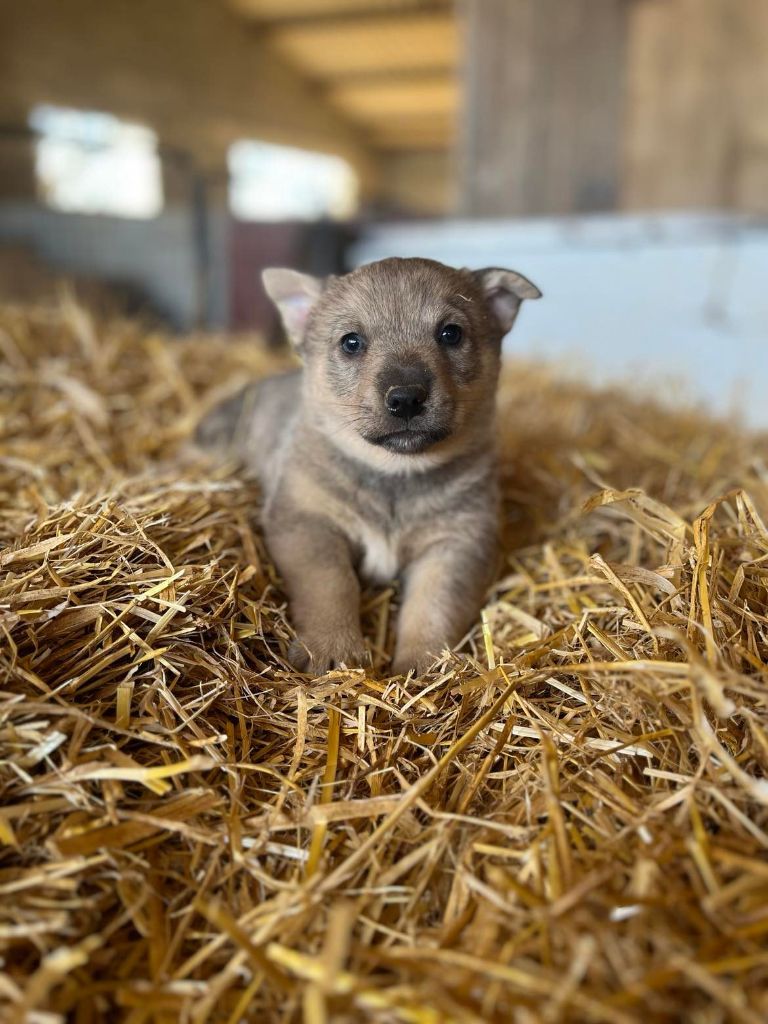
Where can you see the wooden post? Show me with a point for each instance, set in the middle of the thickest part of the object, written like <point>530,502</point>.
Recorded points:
<point>543,106</point>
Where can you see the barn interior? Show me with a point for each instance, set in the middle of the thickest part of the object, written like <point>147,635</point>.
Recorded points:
<point>564,820</point>
<point>625,140</point>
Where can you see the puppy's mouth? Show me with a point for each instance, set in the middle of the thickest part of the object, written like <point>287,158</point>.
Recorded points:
<point>409,441</point>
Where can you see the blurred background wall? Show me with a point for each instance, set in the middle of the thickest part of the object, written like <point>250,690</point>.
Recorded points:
<point>160,152</point>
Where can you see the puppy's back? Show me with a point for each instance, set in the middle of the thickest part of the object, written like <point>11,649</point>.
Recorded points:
<point>256,423</point>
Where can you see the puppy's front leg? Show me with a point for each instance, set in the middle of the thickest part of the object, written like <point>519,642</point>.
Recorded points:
<point>444,590</point>
<point>316,563</point>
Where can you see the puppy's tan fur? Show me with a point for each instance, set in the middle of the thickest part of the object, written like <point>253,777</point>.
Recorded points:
<point>351,491</point>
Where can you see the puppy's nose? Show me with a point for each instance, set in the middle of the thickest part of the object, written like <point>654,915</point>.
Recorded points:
<point>406,401</point>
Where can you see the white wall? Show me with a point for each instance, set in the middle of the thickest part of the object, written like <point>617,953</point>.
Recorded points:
<point>643,298</point>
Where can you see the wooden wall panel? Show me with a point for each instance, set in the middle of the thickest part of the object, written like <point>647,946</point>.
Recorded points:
<point>543,110</point>
<point>696,132</point>
<point>418,182</point>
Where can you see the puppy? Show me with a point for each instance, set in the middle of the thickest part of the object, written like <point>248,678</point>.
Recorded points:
<point>377,458</point>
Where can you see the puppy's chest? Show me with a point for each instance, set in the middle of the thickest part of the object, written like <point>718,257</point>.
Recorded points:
<point>393,522</point>
<point>380,553</point>
<point>388,531</point>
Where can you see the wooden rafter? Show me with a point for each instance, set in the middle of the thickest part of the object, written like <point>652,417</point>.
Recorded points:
<point>390,43</point>
<point>388,66</point>
<point>290,10</point>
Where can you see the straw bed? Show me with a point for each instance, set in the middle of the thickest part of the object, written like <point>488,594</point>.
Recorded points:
<point>566,822</point>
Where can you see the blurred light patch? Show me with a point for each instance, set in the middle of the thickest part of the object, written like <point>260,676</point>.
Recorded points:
<point>273,183</point>
<point>89,162</point>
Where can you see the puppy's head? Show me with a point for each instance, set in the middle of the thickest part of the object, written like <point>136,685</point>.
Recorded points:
<point>401,356</point>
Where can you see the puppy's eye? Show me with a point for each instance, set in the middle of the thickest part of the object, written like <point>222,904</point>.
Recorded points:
<point>449,334</point>
<point>352,344</point>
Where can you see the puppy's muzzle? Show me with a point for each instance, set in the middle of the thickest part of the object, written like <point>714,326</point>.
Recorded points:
<point>406,401</point>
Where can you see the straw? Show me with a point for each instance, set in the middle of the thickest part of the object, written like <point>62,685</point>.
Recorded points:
<point>566,821</point>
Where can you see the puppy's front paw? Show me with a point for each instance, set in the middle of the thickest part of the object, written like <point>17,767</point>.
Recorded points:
<point>318,654</point>
<point>419,659</point>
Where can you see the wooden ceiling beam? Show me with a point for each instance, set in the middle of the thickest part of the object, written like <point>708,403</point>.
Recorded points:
<point>388,67</point>
<point>381,76</point>
<point>432,95</point>
<point>414,133</point>
<point>412,144</point>
<point>315,11</point>
<point>389,43</point>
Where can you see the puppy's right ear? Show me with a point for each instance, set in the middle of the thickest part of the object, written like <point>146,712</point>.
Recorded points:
<point>294,294</point>
<point>504,292</point>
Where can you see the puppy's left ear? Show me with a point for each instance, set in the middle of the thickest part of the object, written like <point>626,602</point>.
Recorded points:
<point>294,294</point>
<point>504,291</point>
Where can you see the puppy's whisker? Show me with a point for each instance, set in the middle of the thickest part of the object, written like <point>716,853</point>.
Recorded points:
<point>346,405</point>
<point>353,424</point>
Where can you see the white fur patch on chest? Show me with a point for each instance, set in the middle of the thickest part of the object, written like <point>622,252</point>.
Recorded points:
<point>380,560</point>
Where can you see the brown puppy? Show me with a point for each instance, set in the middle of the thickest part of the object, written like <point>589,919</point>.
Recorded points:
<point>378,457</point>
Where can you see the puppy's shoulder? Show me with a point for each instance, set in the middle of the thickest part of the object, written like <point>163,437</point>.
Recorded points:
<point>256,414</point>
